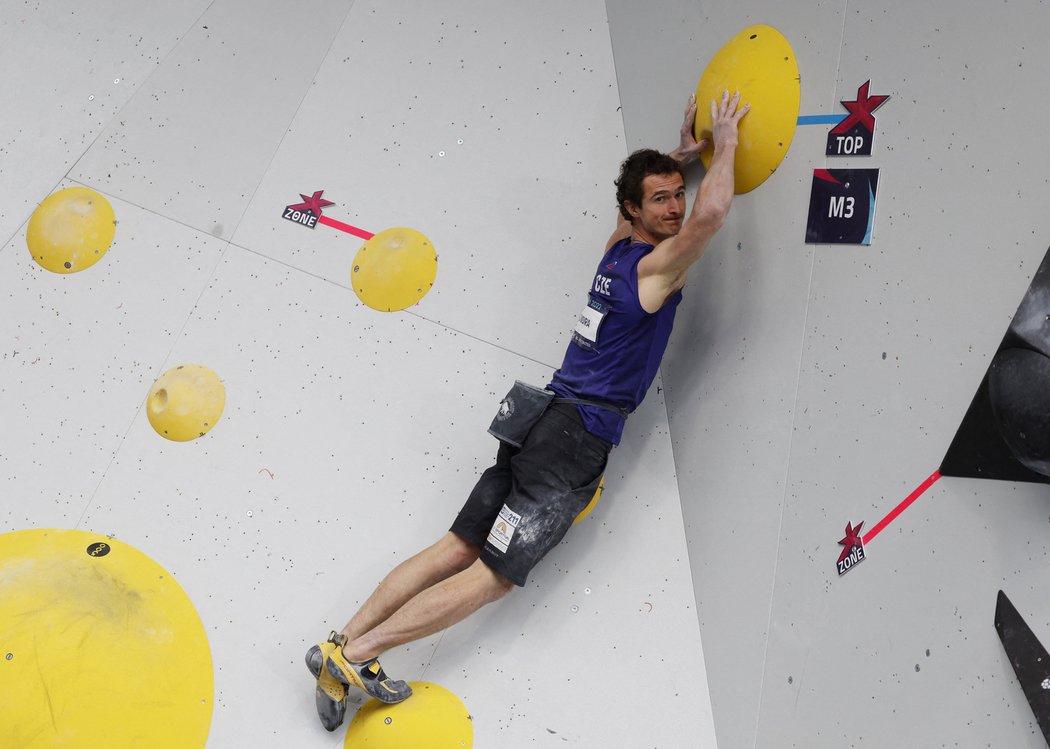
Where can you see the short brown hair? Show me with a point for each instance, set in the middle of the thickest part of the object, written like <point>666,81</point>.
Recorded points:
<point>635,169</point>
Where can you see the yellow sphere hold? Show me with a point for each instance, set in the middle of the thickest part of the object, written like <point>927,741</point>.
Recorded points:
<point>99,647</point>
<point>71,230</point>
<point>432,718</point>
<point>760,64</point>
<point>592,504</point>
<point>394,269</point>
<point>185,402</point>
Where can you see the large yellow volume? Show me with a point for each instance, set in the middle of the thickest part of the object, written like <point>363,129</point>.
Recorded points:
<point>99,647</point>
<point>759,63</point>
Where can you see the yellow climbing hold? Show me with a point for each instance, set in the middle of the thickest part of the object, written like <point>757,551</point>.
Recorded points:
<point>185,402</point>
<point>394,269</point>
<point>71,230</point>
<point>592,504</point>
<point>760,64</point>
<point>432,718</point>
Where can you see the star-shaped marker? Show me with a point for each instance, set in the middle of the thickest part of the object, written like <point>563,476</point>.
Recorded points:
<point>314,203</point>
<point>851,540</point>
<point>860,111</point>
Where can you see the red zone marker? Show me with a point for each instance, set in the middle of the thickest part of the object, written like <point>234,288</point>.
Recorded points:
<point>904,505</point>
<point>315,204</point>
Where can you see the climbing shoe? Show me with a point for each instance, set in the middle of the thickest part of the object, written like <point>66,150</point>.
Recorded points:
<point>330,694</point>
<point>367,675</point>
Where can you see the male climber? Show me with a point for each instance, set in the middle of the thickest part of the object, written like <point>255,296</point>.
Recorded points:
<point>523,505</point>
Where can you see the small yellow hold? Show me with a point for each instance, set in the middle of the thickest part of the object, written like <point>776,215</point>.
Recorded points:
<point>394,269</point>
<point>432,718</point>
<point>592,504</point>
<point>185,402</point>
<point>760,64</point>
<point>71,230</point>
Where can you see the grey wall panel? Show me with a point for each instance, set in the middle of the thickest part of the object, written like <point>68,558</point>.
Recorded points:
<point>902,651</point>
<point>492,128</point>
<point>197,138</point>
<point>731,369</point>
<point>661,50</point>
<point>68,68</point>
<point>897,339</point>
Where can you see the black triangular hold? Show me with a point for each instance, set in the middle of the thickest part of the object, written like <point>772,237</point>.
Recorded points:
<point>1004,433</point>
<point>1028,657</point>
<point>979,450</point>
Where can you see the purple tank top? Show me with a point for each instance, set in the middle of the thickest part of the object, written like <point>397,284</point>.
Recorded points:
<point>617,346</point>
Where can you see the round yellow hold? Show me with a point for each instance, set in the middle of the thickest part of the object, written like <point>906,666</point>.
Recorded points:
<point>185,402</point>
<point>432,718</point>
<point>71,230</point>
<point>760,64</point>
<point>394,269</point>
<point>592,504</point>
<point>99,647</point>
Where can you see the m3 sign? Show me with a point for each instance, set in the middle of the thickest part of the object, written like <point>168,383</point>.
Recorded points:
<point>842,206</point>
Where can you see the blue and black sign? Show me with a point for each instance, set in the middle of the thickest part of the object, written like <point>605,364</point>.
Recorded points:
<point>842,206</point>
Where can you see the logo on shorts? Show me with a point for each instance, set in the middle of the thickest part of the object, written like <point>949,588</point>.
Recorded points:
<point>506,409</point>
<point>503,529</point>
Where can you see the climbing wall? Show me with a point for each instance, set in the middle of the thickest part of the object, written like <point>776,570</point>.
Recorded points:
<point>349,434</point>
<point>811,395</point>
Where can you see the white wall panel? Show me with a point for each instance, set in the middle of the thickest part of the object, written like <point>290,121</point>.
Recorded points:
<point>197,138</point>
<point>492,128</point>
<point>68,68</point>
<point>78,355</point>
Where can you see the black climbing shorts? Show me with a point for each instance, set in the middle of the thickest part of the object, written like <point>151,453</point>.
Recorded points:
<point>522,507</point>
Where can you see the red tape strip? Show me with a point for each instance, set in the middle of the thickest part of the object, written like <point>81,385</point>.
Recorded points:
<point>345,227</point>
<point>901,507</point>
